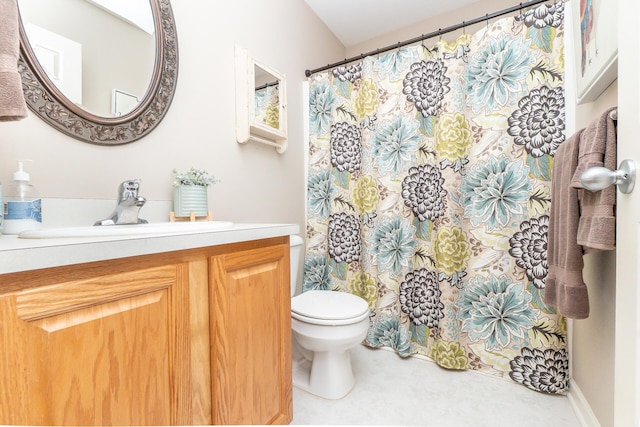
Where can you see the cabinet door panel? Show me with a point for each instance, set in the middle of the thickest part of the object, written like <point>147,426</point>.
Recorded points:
<point>99,364</point>
<point>251,337</point>
<point>105,351</point>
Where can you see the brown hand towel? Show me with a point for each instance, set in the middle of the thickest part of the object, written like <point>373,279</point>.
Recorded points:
<point>12,103</point>
<point>597,228</point>
<point>564,286</point>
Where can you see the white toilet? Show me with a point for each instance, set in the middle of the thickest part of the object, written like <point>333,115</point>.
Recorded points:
<point>325,325</point>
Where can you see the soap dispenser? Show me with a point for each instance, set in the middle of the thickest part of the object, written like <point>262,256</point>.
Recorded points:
<point>22,204</point>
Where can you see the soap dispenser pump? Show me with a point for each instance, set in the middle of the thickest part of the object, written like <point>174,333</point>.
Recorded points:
<point>22,204</point>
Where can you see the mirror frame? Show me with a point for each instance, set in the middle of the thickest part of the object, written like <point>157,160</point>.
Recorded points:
<point>47,102</point>
<point>247,129</point>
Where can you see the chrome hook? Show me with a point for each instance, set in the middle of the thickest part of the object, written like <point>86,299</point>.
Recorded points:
<point>599,178</point>
<point>521,15</point>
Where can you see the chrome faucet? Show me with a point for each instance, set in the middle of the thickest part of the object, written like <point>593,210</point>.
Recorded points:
<point>128,205</point>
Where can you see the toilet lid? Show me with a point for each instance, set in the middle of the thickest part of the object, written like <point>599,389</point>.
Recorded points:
<point>329,305</point>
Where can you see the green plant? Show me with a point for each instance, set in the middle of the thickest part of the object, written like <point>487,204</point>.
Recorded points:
<point>193,177</point>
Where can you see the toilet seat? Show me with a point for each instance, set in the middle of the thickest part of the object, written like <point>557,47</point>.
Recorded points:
<point>329,308</point>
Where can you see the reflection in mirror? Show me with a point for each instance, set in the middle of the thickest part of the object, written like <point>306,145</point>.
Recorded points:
<point>122,102</point>
<point>260,103</point>
<point>101,71</point>
<point>267,100</point>
<point>85,65</point>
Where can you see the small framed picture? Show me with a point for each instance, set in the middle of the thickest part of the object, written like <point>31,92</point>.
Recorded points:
<point>595,34</point>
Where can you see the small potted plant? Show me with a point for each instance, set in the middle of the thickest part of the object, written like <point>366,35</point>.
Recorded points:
<point>190,192</point>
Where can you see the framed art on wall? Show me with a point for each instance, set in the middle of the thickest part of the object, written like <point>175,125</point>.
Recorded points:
<point>595,34</point>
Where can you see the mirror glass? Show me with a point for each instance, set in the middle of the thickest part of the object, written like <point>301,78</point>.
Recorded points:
<point>92,50</point>
<point>102,71</point>
<point>267,98</point>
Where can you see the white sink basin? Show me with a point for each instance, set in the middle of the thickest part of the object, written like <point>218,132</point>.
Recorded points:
<point>127,230</point>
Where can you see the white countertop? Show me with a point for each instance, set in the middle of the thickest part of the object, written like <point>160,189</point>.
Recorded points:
<point>18,254</point>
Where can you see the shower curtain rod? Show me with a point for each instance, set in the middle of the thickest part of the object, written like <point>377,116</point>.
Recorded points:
<point>266,85</point>
<point>440,31</point>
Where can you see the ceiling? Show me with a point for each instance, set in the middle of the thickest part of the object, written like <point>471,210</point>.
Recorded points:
<point>356,21</point>
<point>137,13</point>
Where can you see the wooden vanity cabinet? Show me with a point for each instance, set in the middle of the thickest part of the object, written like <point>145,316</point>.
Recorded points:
<point>167,339</point>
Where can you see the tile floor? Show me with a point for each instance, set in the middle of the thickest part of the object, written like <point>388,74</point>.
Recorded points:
<point>394,391</point>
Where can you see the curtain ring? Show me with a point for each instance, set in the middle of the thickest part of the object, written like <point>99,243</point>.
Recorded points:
<point>521,15</point>
<point>439,34</point>
<point>464,28</point>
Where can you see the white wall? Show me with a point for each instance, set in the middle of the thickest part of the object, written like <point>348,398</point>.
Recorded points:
<point>472,11</point>
<point>258,185</point>
<point>593,339</point>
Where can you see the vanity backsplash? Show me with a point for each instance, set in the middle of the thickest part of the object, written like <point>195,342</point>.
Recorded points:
<point>81,212</point>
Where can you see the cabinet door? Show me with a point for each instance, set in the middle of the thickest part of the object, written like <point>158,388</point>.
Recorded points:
<point>111,350</point>
<point>251,336</point>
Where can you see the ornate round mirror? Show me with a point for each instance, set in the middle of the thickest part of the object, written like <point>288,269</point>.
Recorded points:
<point>103,72</point>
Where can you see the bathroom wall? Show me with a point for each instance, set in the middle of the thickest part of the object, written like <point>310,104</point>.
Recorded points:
<point>257,184</point>
<point>472,11</point>
<point>593,338</point>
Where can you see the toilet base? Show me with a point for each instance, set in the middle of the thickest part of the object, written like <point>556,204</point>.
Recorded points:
<point>330,376</point>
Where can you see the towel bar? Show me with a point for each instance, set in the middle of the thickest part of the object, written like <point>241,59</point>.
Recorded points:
<point>599,178</point>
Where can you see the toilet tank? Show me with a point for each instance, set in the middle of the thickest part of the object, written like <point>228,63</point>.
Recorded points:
<point>295,244</point>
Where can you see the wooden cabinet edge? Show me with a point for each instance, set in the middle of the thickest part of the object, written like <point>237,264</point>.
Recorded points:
<point>20,281</point>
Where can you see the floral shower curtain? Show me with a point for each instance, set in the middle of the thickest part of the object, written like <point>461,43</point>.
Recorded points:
<point>429,192</point>
<point>267,109</point>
